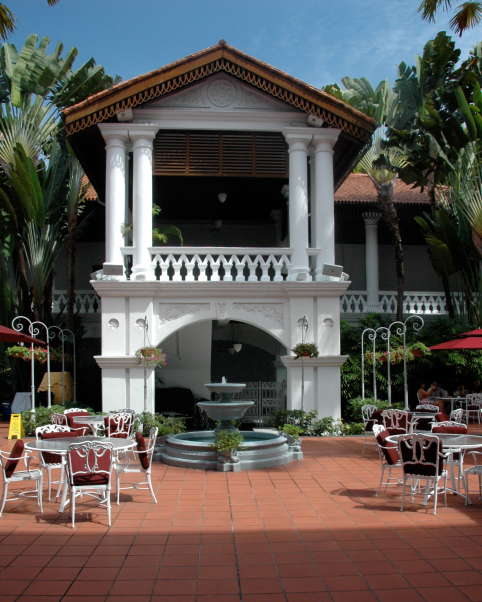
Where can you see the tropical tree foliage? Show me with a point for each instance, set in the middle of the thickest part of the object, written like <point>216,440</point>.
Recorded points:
<point>466,16</point>
<point>382,166</point>
<point>40,181</point>
<point>440,133</point>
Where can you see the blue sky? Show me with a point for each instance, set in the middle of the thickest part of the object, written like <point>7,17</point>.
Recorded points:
<point>318,41</point>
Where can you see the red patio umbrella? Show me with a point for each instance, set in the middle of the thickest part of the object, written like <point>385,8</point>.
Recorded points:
<point>466,343</point>
<point>8,335</point>
<point>473,333</point>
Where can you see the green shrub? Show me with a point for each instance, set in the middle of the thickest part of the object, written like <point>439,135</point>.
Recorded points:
<point>291,430</point>
<point>226,440</point>
<point>354,406</point>
<point>41,416</point>
<point>295,417</point>
<point>167,425</point>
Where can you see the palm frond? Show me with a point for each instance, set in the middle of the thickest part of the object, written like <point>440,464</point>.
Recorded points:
<point>7,21</point>
<point>429,8</point>
<point>468,15</point>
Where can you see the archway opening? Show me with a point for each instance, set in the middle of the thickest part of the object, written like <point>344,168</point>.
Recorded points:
<point>208,350</point>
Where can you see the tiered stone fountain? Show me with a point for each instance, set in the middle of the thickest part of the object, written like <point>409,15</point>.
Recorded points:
<point>258,450</point>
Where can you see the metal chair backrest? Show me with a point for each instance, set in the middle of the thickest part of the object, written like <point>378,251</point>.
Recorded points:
<point>367,411</point>
<point>89,463</point>
<point>397,419</point>
<point>51,428</point>
<point>119,424</point>
<point>377,429</point>
<point>457,415</point>
<point>59,419</point>
<point>421,455</point>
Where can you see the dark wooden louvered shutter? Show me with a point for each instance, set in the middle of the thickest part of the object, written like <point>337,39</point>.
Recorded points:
<point>215,153</point>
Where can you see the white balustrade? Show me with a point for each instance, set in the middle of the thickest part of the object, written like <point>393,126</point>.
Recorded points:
<point>215,264</point>
<point>426,303</point>
<point>86,302</point>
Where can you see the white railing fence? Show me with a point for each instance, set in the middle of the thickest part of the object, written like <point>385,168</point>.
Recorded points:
<point>86,302</point>
<point>426,303</point>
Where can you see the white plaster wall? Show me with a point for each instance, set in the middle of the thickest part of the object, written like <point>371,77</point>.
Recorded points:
<point>189,358</point>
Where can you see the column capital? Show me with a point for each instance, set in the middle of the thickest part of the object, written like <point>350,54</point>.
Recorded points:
<point>114,134</point>
<point>143,133</point>
<point>371,218</point>
<point>298,138</point>
<point>324,139</point>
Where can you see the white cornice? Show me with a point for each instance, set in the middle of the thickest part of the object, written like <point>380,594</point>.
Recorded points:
<point>192,119</point>
<point>232,290</point>
<point>290,361</point>
<point>116,361</point>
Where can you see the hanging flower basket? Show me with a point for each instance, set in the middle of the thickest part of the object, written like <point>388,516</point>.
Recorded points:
<point>305,350</point>
<point>151,357</point>
<point>23,353</point>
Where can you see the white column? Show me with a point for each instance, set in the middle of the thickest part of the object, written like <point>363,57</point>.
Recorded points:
<point>115,196</point>
<point>324,197</point>
<point>298,203</point>
<point>371,258</point>
<point>142,204</point>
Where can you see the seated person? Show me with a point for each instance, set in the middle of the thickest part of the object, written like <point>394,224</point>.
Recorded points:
<point>460,391</point>
<point>476,387</point>
<point>437,390</point>
<point>422,394</point>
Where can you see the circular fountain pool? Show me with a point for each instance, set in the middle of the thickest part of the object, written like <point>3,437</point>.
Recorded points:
<point>258,450</point>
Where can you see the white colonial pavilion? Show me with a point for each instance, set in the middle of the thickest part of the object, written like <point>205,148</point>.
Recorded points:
<point>217,114</point>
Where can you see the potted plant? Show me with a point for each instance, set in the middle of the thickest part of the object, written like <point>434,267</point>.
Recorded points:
<point>292,433</point>
<point>151,357</point>
<point>227,442</point>
<point>305,350</point>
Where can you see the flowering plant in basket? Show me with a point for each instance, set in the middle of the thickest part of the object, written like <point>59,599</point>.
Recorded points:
<point>151,357</point>
<point>305,350</point>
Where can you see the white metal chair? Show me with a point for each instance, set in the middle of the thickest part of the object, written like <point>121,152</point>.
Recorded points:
<point>89,467</point>
<point>51,461</point>
<point>473,407</point>
<point>368,422</point>
<point>389,457</point>
<point>422,461</point>
<point>10,475</point>
<point>455,457</point>
<point>141,463</point>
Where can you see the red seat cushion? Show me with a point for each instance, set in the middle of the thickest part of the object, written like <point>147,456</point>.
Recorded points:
<point>390,450</point>
<point>17,451</point>
<point>141,447</point>
<point>431,454</point>
<point>91,479</point>
<point>49,457</point>
<point>77,425</point>
<point>456,430</point>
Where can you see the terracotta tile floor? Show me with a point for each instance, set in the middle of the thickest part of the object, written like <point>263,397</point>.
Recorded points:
<point>313,531</point>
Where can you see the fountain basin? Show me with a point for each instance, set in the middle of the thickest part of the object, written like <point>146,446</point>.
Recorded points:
<point>225,412</point>
<point>258,450</point>
<point>225,387</point>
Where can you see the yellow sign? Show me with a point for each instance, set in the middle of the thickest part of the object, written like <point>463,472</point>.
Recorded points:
<point>15,430</point>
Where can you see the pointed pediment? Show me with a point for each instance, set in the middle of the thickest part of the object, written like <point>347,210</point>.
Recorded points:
<point>219,59</point>
<point>220,92</point>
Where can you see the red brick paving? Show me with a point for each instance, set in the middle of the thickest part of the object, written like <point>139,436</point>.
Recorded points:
<point>313,531</point>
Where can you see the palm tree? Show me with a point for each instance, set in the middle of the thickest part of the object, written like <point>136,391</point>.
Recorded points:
<point>7,19</point>
<point>466,16</point>
<point>380,165</point>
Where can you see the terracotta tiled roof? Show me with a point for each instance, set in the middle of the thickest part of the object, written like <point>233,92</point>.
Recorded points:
<point>143,88</point>
<point>358,188</point>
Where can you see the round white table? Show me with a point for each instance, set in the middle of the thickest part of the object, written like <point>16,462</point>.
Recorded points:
<point>95,421</point>
<point>61,445</point>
